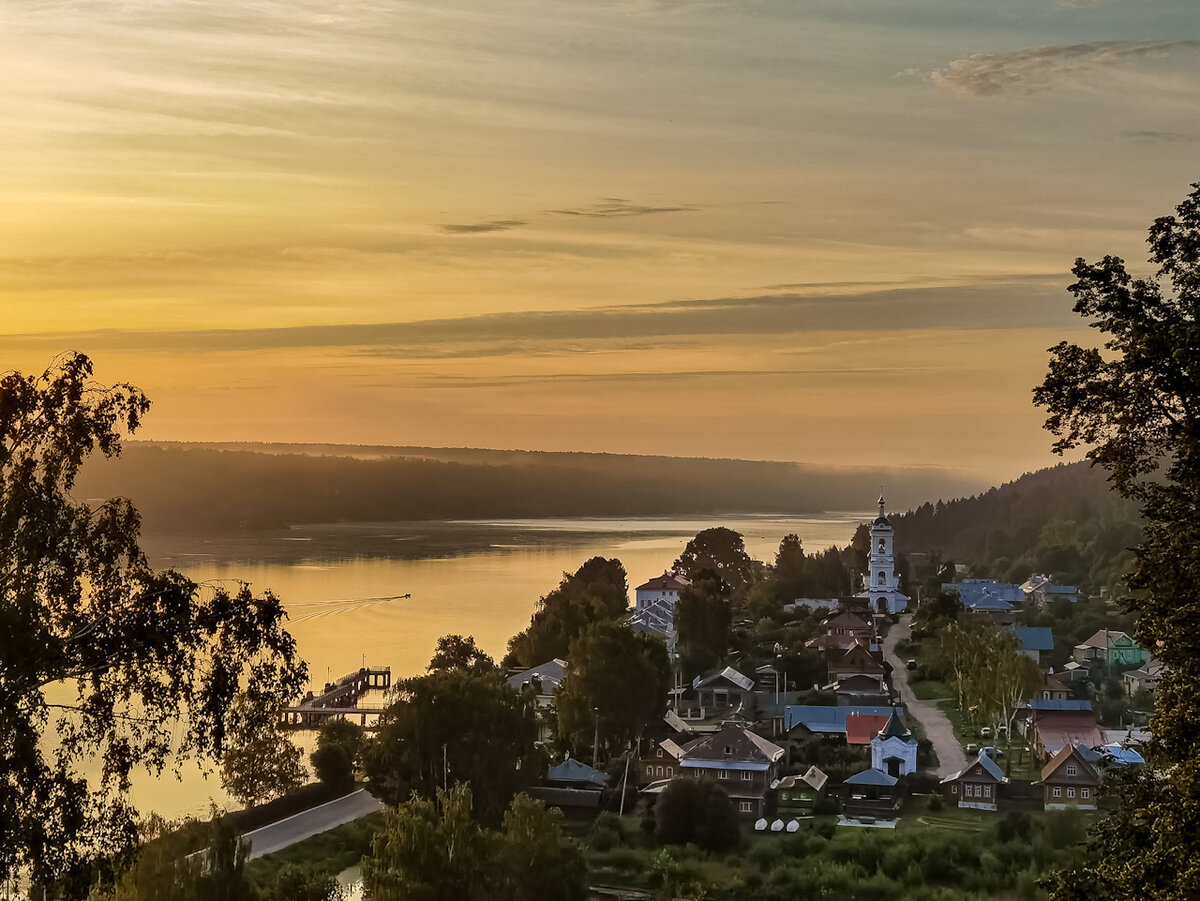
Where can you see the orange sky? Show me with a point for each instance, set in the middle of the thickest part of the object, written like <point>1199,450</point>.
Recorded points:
<point>821,231</point>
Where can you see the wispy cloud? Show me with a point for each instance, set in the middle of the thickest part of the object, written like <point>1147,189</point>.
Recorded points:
<point>1041,68</point>
<point>474,228</point>
<point>619,206</point>
<point>1156,137</point>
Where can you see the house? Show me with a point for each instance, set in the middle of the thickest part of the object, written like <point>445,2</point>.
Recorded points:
<point>1053,725</point>
<point>858,660</point>
<point>1144,678</point>
<point>718,694</point>
<point>1070,779</point>
<point>660,748</point>
<point>543,681</point>
<point>1036,642</point>
<point>571,785</point>
<point>830,722</point>
<point>861,689</point>
<point>1109,647</point>
<point>743,763</point>
<point>663,589</point>
<point>798,796</point>
<point>881,584</point>
<point>977,785</point>
<point>893,748</point>
<point>973,591</point>
<point>1040,590</point>
<point>1054,688</point>
<point>869,796</point>
<point>656,618</point>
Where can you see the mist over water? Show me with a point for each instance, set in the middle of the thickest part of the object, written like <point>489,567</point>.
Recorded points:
<point>344,585</point>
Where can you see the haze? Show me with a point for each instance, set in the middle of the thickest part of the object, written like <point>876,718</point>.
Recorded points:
<point>836,231</point>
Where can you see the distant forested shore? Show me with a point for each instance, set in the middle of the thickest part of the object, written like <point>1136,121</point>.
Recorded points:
<point>219,487</point>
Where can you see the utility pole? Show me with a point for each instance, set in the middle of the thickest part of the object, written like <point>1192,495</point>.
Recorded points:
<point>596,737</point>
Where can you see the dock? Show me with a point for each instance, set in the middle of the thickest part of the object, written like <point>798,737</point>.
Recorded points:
<point>341,699</point>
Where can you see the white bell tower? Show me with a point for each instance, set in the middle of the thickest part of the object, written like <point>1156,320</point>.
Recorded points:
<point>881,584</point>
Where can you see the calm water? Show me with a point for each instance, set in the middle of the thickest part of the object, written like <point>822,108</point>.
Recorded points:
<point>343,587</point>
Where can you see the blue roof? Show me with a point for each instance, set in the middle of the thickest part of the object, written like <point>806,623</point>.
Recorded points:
<point>872,777</point>
<point>1042,704</point>
<point>1034,638</point>
<point>828,719</point>
<point>571,770</point>
<point>1124,756</point>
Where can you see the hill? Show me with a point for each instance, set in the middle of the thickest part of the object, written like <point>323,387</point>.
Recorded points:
<point>211,488</point>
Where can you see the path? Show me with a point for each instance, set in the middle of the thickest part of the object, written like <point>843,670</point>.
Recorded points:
<point>314,821</point>
<point>938,730</point>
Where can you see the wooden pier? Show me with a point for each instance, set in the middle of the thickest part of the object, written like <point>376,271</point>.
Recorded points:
<point>341,700</point>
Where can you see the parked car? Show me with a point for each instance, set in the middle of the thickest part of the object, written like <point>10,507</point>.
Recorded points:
<point>910,664</point>
<point>991,751</point>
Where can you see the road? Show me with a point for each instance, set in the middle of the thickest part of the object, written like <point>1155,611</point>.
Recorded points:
<point>278,836</point>
<point>938,730</point>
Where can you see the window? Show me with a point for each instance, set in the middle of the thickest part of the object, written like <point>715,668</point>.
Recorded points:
<point>1057,791</point>
<point>987,791</point>
<point>953,788</point>
<point>1071,792</point>
<point>722,774</point>
<point>744,806</point>
<point>1072,770</point>
<point>658,753</point>
<point>1085,793</point>
<point>669,771</point>
<point>747,775</point>
<point>970,790</point>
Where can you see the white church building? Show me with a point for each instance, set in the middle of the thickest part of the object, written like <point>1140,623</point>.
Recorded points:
<point>881,584</point>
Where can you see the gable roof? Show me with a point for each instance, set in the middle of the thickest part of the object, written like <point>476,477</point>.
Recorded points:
<point>1069,752</point>
<point>1034,638</point>
<point>872,777</point>
<point>730,748</point>
<point>729,673</point>
<point>1105,638</point>
<point>572,770</point>
<point>859,657</point>
<point>814,779</point>
<point>985,763</point>
<point>549,674</point>
<point>666,582</point>
<point>861,729</point>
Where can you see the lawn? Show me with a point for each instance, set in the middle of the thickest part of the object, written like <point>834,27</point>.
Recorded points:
<point>931,690</point>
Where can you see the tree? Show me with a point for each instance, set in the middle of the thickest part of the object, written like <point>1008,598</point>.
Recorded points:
<point>720,550</point>
<point>703,619</point>
<point>333,766</point>
<point>295,883</point>
<point>430,849</point>
<point>616,679</point>
<point>261,762</point>
<point>1135,404</point>
<point>455,725</point>
<point>697,811</point>
<point>598,590</point>
<point>456,652</point>
<point>102,657</point>
<point>345,733</point>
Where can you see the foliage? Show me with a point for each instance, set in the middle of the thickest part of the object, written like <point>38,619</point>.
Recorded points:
<point>332,765</point>
<point>435,849</point>
<point>261,762</point>
<point>797,575</point>
<point>101,657</point>
<point>456,652</point>
<point>703,620</point>
<point>1135,404</point>
<point>719,550</point>
<point>989,674</point>
<point>697,811</point>
<point>598,590</point>
<point>616,679</point>
<point>455,725</point>
<point>345,733</point>
<point>303,884</point>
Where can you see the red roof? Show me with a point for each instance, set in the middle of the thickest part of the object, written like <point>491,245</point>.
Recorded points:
<point>861,729</point>
<point>665,582</point>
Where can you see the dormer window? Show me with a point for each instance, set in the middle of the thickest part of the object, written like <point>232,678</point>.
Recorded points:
<point>1072,770</point>
<point>728,751</point>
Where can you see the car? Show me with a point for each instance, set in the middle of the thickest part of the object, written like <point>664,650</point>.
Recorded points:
<point>991,751</point>
<point>910,664</point>
<point>985,732</point>
<point>972,748</point>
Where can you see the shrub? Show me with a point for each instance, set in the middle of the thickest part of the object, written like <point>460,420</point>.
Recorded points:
<point>333,766</point>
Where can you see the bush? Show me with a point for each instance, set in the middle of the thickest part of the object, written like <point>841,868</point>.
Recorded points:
<point>333,766</point>
<point>692,810</point>
<point>935,803</point>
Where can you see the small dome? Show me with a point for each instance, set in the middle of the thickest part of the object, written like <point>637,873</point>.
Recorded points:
<point>882,522</point>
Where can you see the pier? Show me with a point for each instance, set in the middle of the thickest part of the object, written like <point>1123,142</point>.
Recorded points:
<point>341,699</point>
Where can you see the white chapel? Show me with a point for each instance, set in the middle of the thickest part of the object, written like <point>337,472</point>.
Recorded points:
<point>881,584</point>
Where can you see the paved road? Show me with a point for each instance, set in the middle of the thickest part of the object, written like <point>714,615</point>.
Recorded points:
<point>278,836</point>
<point>938,730</point>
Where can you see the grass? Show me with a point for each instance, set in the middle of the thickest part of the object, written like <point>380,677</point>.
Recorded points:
<point>931,690</point>
<point>331,851</point>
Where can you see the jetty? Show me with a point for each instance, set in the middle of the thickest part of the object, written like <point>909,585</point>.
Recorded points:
<point>341,699</point>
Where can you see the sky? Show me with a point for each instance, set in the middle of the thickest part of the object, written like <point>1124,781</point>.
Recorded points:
<point>831,231</point>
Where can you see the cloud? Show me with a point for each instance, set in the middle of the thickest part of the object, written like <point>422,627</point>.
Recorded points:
<point>495,225</point>
<point>985,304</point>
<point>1156,137</point>
<point>1042,68</point>
<point>618,206</point>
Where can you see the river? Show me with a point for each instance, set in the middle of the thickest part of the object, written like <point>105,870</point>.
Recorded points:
<point>344,587</point>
